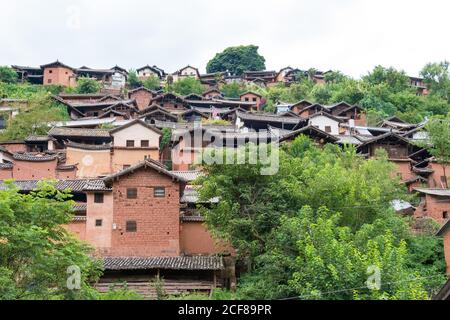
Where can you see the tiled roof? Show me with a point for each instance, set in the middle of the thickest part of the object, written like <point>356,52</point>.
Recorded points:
<point>34,157</point>
<point>80,207</point>
<point>148,163</point>
<point>79,218</point>
<point>190,195</point>
<point>268,118</point>
<point>66,167</point>
<point>74,185</point>
<point>89,146</point>
<point>168,263</point>
<point>6,165</point>
<point>309,130</point>
<point>79,132</point>
<point>192,219</point>
<point>38,138</point>
<point>434,192</point>
<point>188,175</point>
<point>345,139</point>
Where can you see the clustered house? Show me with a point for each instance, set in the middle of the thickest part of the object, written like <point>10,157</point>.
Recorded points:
<point>130,158</point>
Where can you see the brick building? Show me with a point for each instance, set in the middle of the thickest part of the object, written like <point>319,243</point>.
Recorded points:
<point>57,73</point>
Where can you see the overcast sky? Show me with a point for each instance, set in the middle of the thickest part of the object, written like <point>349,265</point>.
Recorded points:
<point>348,35</point>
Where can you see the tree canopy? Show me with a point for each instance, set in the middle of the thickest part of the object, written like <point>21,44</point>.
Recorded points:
<point>152,83</point>
<point>236,60</point>
<point>438,141</point>
<point>8,75</point>
<point>37,252</point>
<point>87,85</point>
<point>185,86</point>
<point>33,119</point>
<point>133,80</point>
<point>322,224</point>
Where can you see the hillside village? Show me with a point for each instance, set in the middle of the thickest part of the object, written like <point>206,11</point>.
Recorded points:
<point>129,156</point>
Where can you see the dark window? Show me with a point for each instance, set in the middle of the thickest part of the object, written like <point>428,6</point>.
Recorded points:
<point>445,214</point>
<point>144,143</point>
<point>247,99</point>
<point>98,222</point>
<point>131,226</point>
<point>159,192</point>
<point>95,114</point>
<point>98,198</point>
<point>130,143</point>
<point>131,193</point>
<point>327,129</point>
<point>254,99</point>
<point>49,81</point>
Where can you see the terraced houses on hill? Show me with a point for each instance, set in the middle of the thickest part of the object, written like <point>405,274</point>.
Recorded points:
<point>135,200</point>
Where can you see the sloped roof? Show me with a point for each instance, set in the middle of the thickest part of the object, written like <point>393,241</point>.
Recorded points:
<point>168,263</point>
<point>308,131</point>
<point>78,132</point>
<point>140,89</point>
<point>33,138</point>
<point>192,218</point>
<point>384,136</point>
<point>78,185</point>
<point>434,192</point>
<point>194,111</point>
<point>148,163</point>
<point>190,195</point>
<point>268,118</point>
<point>136,121</point>
<point>58,64</point>
<point>444,229</point>
<point>89,146</point>
<point>188,175</point>
<point>34,157</point>
<point>325,114</point>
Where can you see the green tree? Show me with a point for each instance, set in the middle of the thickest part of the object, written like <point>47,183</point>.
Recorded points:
<point>332,262</point>
<point>34,119</point>
<point>165,139</point>
<point>236,60</point>
<point>186,86</point>
<point>396,80</point>
<point>133,80</point>
<point>437,78</point>
<point>438,142</point>
<point>255,214</point>
<point>36,250</point>
<point>152,83</point>
<point>87,85</point>
<point>8,75</point>
<point>232,90</point>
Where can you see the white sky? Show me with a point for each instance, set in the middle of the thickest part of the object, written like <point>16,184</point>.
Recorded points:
<point>348,35</point>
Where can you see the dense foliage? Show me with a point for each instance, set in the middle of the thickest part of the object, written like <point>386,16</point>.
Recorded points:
<point>33,119</point>
<point>152,83</point>
<point>313,229</point>
<point>382,92</point>
<point>133,79</point>
<point>87,85</point>
<point>438,141</point>
<point>236,60</point>
<point>8,75</point>
<point>185,86</point>
<point>36,250</point>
